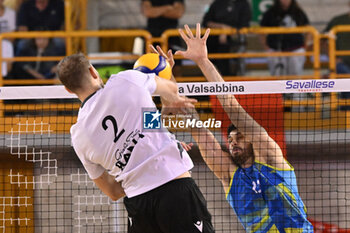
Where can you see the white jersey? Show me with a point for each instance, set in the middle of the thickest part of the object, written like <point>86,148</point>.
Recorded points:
<point>108,136</point>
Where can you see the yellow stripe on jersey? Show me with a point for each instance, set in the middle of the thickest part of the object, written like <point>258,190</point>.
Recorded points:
<point>229,187</point>
<point>287,191</point>
<point>293,230</point>
<point>273,229</point>
<point>263,220</point>
<point>275,168</point>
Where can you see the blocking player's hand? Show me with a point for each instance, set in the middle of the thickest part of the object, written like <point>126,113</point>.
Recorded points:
<point>168,56</point>
<point>196,45</point>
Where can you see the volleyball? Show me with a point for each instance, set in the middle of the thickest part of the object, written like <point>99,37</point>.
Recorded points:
<point>154,63</point>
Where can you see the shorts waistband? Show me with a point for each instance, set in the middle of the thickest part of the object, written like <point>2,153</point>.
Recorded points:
<point>185,180</point>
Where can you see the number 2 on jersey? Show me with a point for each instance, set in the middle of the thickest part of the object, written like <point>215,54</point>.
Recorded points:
<point>115,127</point>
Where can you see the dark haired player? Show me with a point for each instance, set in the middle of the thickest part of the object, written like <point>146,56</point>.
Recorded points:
<point>260,184</point>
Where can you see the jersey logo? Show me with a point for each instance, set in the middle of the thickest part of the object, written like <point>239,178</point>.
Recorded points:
<point>256,186</point>
<point>123,155</point>
<point>152,120</point>
<point>199,225</point>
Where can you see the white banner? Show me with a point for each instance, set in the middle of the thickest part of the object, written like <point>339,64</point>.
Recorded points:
<point>197,89</point>
<point>35,92</point>
<point>264,87</point>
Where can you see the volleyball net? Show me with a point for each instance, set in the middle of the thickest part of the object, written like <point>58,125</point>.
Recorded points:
<point>44,187</point>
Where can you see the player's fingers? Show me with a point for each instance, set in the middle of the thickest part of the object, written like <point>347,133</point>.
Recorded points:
<point>188,105</point>
<point>198,30</point>
<point>189,32</point>
<point>190,100</point>
<point>206,35</point>
<point>153,49</point>
<point>170,54</point>
<point>161,52</point>
<point>183,35</point>
<point>184,145</point>
<point>181,53</point>
<point>189,146</point>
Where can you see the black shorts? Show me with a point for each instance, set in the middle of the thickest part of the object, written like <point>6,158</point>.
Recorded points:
<point>175,207</point>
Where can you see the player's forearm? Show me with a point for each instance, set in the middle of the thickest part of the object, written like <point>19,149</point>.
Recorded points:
<point>167,90</point>
<point>109,186</point>
<point>206,144</point>
<point>210,149</point>
<point>164,101</point>
<point>117,193</point>
<point>209,71</point>
<point>230,104</point>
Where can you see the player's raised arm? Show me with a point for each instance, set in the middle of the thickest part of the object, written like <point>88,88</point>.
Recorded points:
<point>264,146</point>
<point>217,160</point>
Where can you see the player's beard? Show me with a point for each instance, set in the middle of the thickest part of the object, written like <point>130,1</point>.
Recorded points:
<point>242,157</point>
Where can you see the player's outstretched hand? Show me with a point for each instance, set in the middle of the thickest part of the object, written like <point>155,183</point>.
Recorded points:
<point>169,56</point>
<point>196,45</point>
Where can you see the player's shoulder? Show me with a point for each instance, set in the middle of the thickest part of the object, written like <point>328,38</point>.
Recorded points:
<point>133,77</point>
<point>129,75</point>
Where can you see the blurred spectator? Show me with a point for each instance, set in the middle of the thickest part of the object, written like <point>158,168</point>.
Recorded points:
<point>162,15</point>
<point>13,4</point>
<point>7,18</point>
<point>285,13</point>
<point>7,52</point>
<point>38,47</point>
<point>7,24</point>
<point>342,42</point>
<point>34,15</point>
<point>41,13</point>
<point>227,14</point>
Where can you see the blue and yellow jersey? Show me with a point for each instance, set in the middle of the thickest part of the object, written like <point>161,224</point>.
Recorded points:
<point>266,199</point>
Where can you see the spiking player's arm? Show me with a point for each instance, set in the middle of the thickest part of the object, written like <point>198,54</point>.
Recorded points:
<point>265,148</point>
<point>168,90</point>
<point>170,58</point>
<point>110,186</point>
